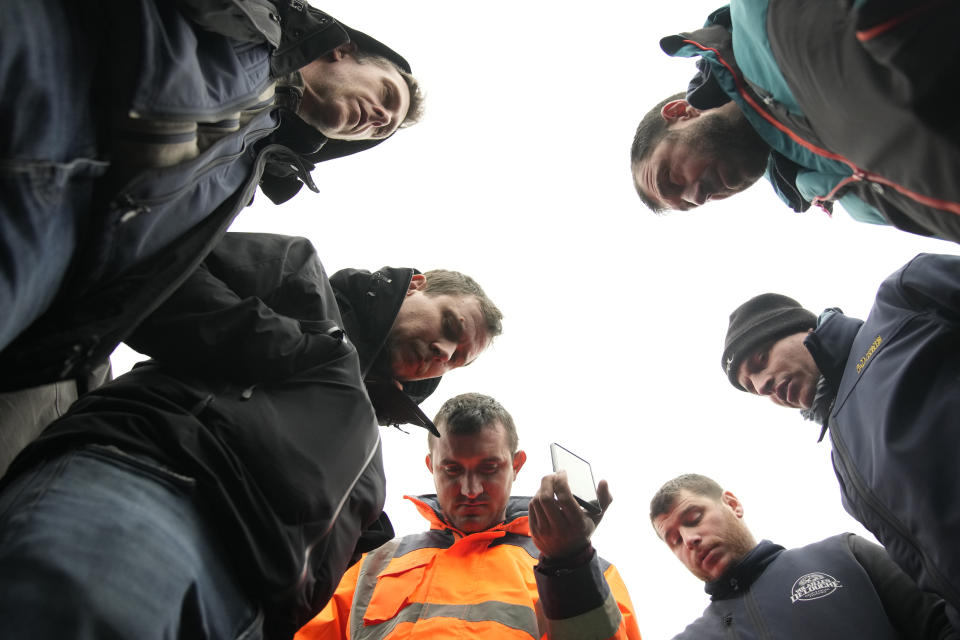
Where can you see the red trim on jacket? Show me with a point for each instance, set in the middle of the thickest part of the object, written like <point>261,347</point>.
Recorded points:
<point>858,173</point>
<point>883,27</point>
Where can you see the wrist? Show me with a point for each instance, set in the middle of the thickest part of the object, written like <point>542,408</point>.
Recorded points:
<point>572,560</point>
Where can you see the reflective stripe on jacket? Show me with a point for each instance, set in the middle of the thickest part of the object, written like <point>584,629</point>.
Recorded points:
<point>445,584</point>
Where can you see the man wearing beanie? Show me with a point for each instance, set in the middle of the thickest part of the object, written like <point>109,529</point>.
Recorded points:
<point>888,391</point>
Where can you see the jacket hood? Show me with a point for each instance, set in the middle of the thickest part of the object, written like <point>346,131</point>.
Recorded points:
<point>341,148</point>
<point>283,181</point>
<point>515,522</point>
<point>369,303</point>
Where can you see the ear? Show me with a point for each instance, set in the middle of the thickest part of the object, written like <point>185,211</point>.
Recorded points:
<point>343,50</point>
<point>731,501</point>
<point>417,282</point>
<point>429,462</point>
<point>677,110</point>
<point>518,459</point>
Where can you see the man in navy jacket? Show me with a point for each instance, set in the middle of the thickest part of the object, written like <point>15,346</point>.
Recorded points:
<point>144,129</point>
<point>841,587</point>
<point>886,389</point>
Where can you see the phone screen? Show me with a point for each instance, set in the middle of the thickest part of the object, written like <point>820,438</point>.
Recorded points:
<point>579,474</point>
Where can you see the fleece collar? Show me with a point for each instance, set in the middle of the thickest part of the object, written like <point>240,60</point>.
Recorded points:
<point>516,521</point>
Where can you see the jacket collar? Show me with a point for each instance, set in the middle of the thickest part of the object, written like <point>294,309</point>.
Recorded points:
<point>830,343</point>
<point>515,522</point>
<point>741,576</point>
<point>704,90</point>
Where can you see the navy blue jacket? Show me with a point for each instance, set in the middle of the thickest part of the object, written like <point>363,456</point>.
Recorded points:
<point>894,418</point>
<point>843,587</point>
<point>194,60</point>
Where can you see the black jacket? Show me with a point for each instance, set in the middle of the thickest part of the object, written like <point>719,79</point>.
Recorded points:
<point>145,235</point>
<point>890,389</point>
<point>843,587</point>
<point>256,396</point>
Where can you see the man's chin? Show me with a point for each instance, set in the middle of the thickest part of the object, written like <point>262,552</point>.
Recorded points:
<point>473,524</point>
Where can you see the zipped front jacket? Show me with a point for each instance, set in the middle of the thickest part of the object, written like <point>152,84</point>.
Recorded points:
<point>893,422</point>
<point>838,589</point>
<point>447,584</point>
<point>256,397</point>
<point>851,98</point>
<point>217,68</point>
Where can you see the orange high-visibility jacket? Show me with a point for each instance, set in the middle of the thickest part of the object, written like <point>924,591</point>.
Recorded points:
<point>445,584</point>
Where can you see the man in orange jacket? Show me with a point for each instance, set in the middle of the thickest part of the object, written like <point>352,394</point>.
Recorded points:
<point>475,573</point>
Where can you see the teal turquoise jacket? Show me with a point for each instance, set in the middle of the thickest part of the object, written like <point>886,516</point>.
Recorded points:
<point>842,99</point>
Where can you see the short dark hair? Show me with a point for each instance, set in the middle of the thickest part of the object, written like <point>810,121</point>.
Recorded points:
<point>469,413</point>
<point>415,110</point>
<point>651,130</point>
<point>453,283</point>
<point>695,483</point>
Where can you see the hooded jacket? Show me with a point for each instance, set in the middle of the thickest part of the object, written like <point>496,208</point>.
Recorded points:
<point>848,98</point>
<point>369,304</point>
<point>839,588</point>
<point>256,398</point>
<point>194,61</point>
<point>448,584</point>
<point>889,397</point>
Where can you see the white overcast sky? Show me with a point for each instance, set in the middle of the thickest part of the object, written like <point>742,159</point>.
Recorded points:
<point>614,317</point>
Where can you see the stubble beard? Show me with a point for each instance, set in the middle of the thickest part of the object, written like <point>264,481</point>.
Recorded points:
<point>730,137</point>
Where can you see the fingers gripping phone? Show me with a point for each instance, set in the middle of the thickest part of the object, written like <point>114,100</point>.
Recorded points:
<point>579,475</point>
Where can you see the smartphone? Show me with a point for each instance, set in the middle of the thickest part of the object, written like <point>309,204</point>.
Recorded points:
<point>579,474</point>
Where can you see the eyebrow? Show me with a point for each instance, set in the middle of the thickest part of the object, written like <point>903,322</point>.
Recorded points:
<point>488,459</point>
<point>680,518</point>
<point>662,186</point>
<point>452,326</point>
<point>660,181</point>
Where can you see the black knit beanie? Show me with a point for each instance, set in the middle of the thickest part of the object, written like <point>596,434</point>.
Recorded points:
<point>761,320</point>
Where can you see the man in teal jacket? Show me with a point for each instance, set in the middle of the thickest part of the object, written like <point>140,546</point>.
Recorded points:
<point>831,103</point>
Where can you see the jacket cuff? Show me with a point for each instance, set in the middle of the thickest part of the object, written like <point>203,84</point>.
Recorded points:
<point>576,602</point>
<point>571,586</point>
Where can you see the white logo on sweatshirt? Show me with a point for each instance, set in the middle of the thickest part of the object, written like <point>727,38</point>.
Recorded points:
<point>812,586</point>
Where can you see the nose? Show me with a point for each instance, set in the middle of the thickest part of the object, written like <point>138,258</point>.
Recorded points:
<point>695,193</point>
<point>470,485</point>
<point>691,539</point>
<point>762,383</point>
<point>443,350</point>
<point>379,116</point>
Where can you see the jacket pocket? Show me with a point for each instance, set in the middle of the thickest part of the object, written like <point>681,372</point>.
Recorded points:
<point>396,587</point>
<point>144,465</point>
<point>160,205</point>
